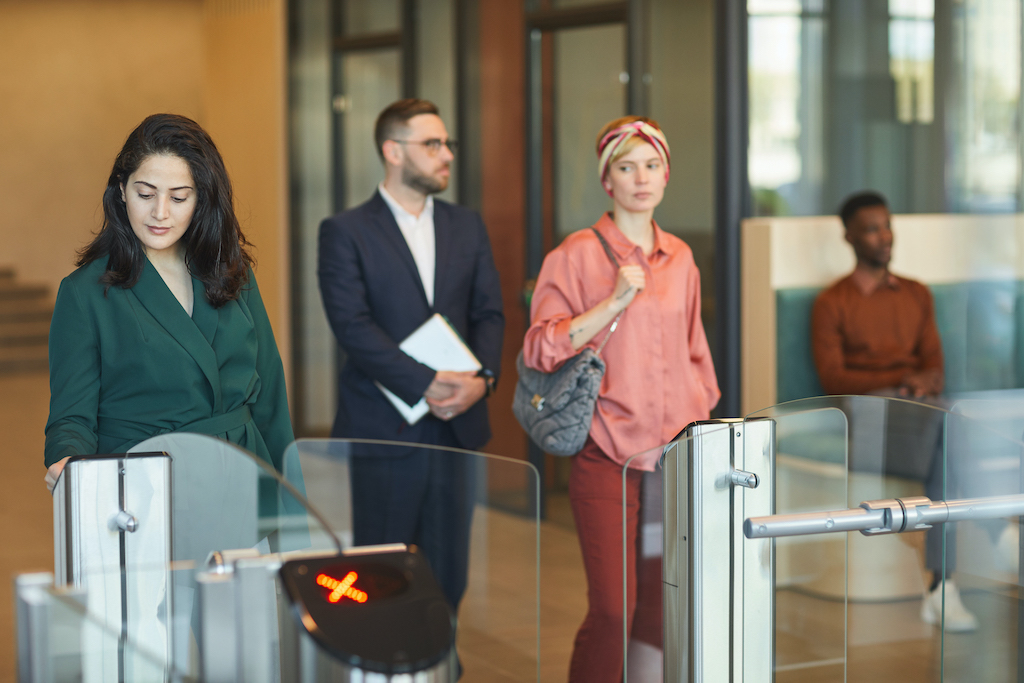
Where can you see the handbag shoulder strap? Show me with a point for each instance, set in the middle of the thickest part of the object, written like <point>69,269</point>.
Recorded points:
<point>615,262</point>
<point>607,248</point>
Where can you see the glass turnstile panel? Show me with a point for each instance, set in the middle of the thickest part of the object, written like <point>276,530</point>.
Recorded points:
<point>131,532</point>
<point>983,462</point>
<point>919,462</point>
<point>883,531</point>
<point>223,511</point>
<point>811,453</point>
<point>498,616</point>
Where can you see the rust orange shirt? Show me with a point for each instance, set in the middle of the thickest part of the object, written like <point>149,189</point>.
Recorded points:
<point>659,375</point>
<point>865,342</point>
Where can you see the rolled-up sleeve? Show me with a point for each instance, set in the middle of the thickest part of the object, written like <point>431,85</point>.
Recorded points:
<point>557,299</point>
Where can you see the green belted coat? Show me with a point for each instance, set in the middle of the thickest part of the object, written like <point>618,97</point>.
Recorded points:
<point>128,364</point>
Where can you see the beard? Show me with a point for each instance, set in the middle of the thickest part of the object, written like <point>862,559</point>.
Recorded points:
<point>414,178</point>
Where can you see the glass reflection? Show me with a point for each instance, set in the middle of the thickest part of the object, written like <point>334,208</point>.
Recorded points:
<point>370,81</point>
<point>378,16</point>
<point>913,98</point>
<point>590,90</point>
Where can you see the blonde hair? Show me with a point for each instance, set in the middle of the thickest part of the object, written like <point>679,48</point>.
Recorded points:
<point>629,144</point>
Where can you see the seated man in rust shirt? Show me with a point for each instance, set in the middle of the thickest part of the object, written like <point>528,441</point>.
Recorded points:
<point>873,332</point>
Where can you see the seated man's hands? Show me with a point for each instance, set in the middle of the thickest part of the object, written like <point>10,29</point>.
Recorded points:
<point>922,384</point>
<point>463,390</point>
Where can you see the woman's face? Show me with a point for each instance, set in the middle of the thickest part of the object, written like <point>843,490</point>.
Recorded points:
<point>637,180</point>
<point>161,198</point>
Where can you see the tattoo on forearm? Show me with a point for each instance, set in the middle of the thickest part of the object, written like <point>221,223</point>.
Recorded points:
<point>573,333</point>
<point>628,290</point>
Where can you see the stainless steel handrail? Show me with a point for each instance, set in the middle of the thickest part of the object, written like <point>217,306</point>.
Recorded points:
<point>889,516</point>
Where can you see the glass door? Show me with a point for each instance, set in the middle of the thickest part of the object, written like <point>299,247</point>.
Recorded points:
<point>578,80</point>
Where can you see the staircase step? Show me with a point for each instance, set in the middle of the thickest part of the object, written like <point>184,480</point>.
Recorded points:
<point>25,309</point>
<point>25,312</point>
<point>14,333</point>
<point>23,359</point>
<point>12,290</point>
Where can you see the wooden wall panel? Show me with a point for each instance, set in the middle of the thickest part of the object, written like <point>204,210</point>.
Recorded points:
<point>503,190</point>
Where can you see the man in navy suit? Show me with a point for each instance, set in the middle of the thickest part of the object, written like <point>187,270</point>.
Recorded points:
<point>385,267</point>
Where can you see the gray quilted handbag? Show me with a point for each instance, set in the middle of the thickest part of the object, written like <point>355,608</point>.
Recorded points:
<point>556,408</point>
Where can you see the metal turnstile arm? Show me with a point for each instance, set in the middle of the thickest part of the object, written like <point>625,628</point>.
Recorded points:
<point>889,516</point>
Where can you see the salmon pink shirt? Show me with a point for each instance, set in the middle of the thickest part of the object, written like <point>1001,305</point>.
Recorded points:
<point>659,375</point>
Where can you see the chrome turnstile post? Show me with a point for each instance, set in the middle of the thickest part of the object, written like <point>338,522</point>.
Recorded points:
<point>112,538</point>
<point>718,588</point>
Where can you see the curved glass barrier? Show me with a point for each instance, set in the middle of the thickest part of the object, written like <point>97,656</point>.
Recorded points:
<point>934,602</point>
<point>830,603</point>
<point>132,531</point>
<point>982,557</point>
<point>367,490</point>
<point>140,536</point>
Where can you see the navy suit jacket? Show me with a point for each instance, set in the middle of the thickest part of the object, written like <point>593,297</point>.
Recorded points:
<point>374,299</point>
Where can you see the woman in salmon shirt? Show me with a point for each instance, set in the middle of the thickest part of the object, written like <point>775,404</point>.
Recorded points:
<point>659,375</point>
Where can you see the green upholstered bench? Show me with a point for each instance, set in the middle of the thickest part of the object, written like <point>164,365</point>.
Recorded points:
<point>981,324</point>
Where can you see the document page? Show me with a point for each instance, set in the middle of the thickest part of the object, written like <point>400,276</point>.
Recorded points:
<point>438,346</point>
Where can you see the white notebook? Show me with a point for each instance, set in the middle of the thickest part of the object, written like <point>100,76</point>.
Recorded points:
<point>438,346</point>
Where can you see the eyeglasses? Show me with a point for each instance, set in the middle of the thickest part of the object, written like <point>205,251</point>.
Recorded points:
<point>433,145</point>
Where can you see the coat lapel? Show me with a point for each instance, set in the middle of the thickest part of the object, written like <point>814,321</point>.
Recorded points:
<point>444,233</point>
<point>385,220</point>
<point>195,336</point>
<point>204,315</point>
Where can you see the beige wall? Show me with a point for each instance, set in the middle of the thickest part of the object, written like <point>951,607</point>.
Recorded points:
<point>77,76</point>
<point>80,74</point>
<point>245,100</point>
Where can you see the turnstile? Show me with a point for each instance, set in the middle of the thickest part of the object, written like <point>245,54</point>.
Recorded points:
<point>137,594</point>
<point>717,586</point>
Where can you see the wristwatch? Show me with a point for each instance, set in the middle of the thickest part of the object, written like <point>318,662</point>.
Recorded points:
<point>489,380</point>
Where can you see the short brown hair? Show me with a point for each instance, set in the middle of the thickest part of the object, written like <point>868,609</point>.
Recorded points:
<point>631,143</point>
<point>396,115</point>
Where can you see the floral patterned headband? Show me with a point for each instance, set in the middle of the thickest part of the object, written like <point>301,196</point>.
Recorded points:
<point>616,137</point>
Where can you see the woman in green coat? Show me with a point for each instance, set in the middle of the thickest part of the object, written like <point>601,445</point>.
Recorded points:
<point>162,328</point>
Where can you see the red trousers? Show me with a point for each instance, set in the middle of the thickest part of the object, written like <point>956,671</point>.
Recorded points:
<point>595,491</point>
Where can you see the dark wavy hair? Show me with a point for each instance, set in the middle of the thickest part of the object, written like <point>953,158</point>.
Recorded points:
<point>216,251</point>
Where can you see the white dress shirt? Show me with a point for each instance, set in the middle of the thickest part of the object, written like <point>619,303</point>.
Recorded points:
<point>419,235</point>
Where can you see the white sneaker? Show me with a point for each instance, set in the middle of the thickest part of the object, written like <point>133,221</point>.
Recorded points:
<point>958,619</point>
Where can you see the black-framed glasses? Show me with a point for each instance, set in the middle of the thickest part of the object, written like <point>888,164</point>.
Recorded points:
<point>433,145</point>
